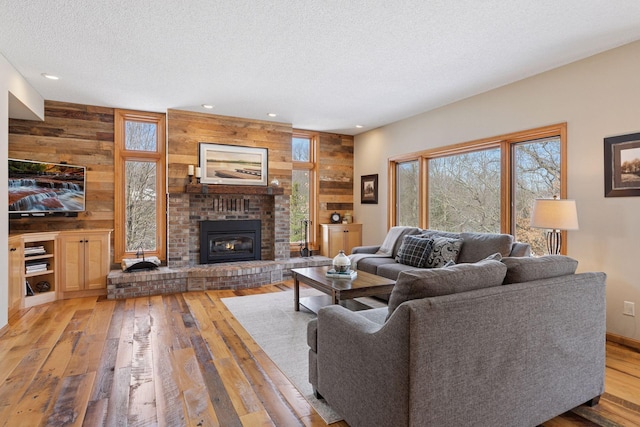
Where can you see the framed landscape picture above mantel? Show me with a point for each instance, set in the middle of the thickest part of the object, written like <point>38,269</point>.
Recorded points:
<point>369,189</point>
<point>622,165</point>
<point>233,164</point>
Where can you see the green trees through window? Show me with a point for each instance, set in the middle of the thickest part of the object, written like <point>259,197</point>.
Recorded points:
<point>536,176</point>
<point>484,186</point>
<point>464,192</point>
<point>302,201</point>
<point>408,178</point>
<point>299,206</point>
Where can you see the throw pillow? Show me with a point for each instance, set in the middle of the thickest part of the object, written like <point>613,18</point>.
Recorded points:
<point>444,249</point>
<point>478,246</point>
<point>526,269</point>
<point>425,283</point>
<point>414,251</point>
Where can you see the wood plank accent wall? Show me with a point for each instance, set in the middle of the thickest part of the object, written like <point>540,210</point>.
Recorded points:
<point>84,135</point>
<point>187,129</point>
<point>79,135</point>
<point>336,175</point>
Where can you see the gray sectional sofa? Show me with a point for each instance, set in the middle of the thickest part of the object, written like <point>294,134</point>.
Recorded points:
<point>514,342</point>
<point>475,246</point>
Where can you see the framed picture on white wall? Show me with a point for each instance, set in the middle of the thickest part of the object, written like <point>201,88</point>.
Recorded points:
<point>622,165</point>
<point>369,189</point>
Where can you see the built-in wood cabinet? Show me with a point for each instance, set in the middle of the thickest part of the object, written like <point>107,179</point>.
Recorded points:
<point>84,260</point>
<point>44,267</point>
<point>17,287</point>
<point>336,237</point>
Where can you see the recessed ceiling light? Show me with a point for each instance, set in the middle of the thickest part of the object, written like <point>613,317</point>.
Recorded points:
<point>272,115</point>
<point>359,126</point>
<point>207,106</point>
<point>50,76</point>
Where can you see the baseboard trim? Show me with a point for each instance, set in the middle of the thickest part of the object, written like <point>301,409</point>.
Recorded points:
<point>4,330</point>
<point>619,339</point>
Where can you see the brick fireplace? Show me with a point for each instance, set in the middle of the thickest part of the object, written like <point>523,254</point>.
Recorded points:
<point>226,203</point>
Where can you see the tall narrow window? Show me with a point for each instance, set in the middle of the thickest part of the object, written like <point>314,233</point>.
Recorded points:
<point>464,192</point>
<point>140,184</point>
<point>536,176</point>
<point>407,188</point>
<point>303,188</point>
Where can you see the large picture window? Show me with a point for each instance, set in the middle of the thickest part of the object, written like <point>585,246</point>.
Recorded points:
<point>464,191</point>
<point>140,184</point>
<point>483,186</point>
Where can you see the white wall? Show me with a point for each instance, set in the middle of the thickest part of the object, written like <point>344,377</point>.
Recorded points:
<point>25,103</point>
<point>597,97</point>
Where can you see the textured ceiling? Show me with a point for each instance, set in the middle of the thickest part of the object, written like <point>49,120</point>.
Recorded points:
<point>321,65</point>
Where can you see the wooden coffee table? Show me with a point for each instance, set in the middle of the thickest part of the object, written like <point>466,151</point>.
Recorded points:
<point>338,290</point>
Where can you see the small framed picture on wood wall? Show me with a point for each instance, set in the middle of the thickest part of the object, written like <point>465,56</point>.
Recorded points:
<point>369,189</point>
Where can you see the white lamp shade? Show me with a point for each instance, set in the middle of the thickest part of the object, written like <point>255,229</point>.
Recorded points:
<point>555,214</point>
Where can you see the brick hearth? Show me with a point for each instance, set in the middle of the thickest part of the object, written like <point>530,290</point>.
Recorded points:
<point>210,202</point>
<point>236,275</point>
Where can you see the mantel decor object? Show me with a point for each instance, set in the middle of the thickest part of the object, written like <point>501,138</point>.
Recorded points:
<point>233,164</point>
<point>555,215</point>
<point>190,173</point>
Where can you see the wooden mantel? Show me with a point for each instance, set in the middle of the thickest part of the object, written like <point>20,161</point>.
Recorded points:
<point>234,189</point>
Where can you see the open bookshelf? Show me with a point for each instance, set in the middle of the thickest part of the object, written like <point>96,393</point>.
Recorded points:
<point>39,268</point>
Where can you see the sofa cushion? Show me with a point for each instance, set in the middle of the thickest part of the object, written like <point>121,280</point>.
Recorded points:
<point>416,284</point>
<point>414,251</point>
<point>536,268</point>
<point>444,249</point>
<point>392,271</point>
<point>371,264</point>
<point>478,246</point>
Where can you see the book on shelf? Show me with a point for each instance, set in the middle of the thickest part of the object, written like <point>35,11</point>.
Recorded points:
<point>33,268</point>
<point>28,291</point>
<point>351,274</point>
<point>34,250</point>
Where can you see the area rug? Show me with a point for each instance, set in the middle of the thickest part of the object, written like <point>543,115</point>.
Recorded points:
<point>282,333</point>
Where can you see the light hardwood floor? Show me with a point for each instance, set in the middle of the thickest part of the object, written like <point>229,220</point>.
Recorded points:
<point>184,360</point>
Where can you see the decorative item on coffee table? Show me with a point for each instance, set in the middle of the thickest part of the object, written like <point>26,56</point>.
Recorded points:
<point>341,267</point>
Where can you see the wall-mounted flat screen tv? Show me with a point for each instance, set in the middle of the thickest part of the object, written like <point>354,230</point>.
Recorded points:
<point>42,187</point>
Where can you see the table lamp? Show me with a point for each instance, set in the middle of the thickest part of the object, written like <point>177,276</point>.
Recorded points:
<point>555,215</point>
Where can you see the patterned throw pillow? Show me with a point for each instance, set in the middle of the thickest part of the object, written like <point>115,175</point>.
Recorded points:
<point>444,250</point>
<point>414,251</point>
